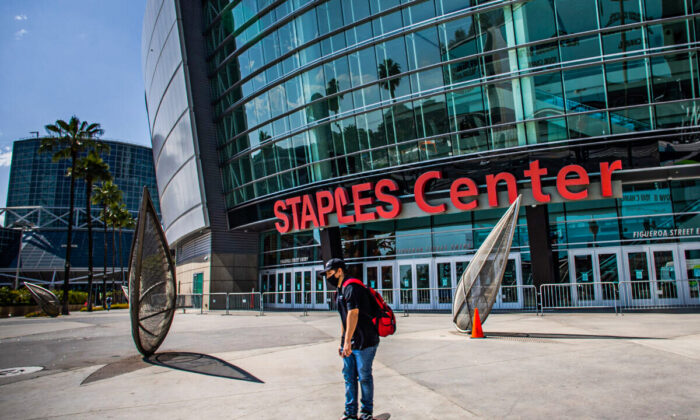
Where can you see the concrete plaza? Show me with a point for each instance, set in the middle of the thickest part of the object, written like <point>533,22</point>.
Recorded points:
<point>582,365</point>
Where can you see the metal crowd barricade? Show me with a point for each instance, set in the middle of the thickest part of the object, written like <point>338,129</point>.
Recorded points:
<point>582,295</point>
<point>659,294</point>
<point>186,301</point>
<point>243,301</point>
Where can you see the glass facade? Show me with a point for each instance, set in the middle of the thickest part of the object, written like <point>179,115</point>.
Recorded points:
<point>36,181</point>
<point>305,93</point>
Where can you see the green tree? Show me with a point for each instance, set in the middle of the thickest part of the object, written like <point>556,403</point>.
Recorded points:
<point>92,168</point>
<point>124,221</point>
<point>106,195</point>
<point>67,140</point>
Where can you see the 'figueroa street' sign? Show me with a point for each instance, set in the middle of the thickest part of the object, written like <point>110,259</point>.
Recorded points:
<point>378,201</point>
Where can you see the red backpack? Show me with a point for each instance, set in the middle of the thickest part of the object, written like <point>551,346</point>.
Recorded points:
<point>384,319</point>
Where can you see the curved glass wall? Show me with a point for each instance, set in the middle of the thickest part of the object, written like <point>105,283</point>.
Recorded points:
<point>306,92</point>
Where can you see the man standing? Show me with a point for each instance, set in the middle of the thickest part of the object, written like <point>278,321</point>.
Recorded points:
<point>359,340</point>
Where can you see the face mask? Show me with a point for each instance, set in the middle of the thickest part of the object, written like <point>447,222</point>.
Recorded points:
<point>333,281</point>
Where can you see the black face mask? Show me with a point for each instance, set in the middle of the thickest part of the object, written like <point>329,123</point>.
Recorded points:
<point>333,281</point>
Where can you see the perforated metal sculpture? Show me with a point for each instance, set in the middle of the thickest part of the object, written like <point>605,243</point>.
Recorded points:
<point>152,290</point>
<point>47,301</point>
<point>479,284</point>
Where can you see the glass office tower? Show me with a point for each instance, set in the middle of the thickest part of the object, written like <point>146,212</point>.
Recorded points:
<point>307,96</point>
<point>38,200</point>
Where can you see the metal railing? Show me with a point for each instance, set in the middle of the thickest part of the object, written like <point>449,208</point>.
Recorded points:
<point>618,296</point>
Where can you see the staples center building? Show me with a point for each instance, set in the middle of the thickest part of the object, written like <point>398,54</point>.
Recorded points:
<point>394,133</point>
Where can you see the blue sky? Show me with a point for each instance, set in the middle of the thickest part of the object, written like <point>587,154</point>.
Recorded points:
<point>70,57</point>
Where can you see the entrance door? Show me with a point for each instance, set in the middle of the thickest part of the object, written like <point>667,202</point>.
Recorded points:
<point>416,282</point>
<point>652,275</point>
<point>380,276</point>
<point>690,276</point>
<point>510,295</point>
<point>595,275</point>
<point>319,296</point>
<point>448,272</point>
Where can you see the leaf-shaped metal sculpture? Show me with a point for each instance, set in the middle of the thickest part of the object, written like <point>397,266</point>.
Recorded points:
<point>47,301</point>
<point>478,287</point>
<point>152,290</point>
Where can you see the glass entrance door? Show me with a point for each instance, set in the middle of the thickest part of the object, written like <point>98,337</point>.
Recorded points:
<point>651,271</point>
<point>380,277</point>
<point>416,283</point>
<point>690,275</point>
<point>595,276</point>
<point>510,295</point>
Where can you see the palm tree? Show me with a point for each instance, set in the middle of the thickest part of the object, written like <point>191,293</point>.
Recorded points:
<point>106,195</point>
<point>67,140</point>
<point>124,221</point>
<point>386,69</point>
<point>92,168</point>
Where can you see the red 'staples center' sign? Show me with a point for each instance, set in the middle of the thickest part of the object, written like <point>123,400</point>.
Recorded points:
<point>377,201</point>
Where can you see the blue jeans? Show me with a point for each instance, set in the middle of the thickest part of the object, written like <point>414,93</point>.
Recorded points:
<point>359,364</point>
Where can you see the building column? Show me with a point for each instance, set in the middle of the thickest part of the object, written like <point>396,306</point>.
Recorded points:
<point>543,269</point>
<point>331,246</point>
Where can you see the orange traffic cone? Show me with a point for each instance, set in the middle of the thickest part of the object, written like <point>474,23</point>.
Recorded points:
<point>477,332</point>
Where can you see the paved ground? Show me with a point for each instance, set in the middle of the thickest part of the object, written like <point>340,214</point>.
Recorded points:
<point>564,365</point>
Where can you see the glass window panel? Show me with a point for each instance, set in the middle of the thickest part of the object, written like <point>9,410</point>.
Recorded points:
<point>492,24</point>
<point>427,79</point>
<point>631,119</point>
<point>534,20</point>
<point>375,129</point>
<point>538,55</point>
<point>387,23</point>
<point>359,33</point>
<point>423,48</point>
<point>576,16</point>
<point>616,13</point>
<point>671,77</point>
<point>627,83</point>
<point>306,26</point>
<point>381,5</point>
<point>584,89</point>
<point>543,95</point>
<point>501,102</point>
<point>588,125</point>
<point>431,115</point>
<point>667,34</point>
<point>355,10</point>
<point>458,38</point>
<point>579,48</point>
<point>309,54</point>
<point>366,96</point>
<point>332,44</point>
<point>287,37</point>
<point>330,16</point>
<point>313,84</point>
<point>655,9</point>
<point>550,130</point>
<point>448,6</point>
<point>468,113</point>
<point>623,41</point>
<point>363,67</point>
<point>419,12</point>
<point>674,115</point>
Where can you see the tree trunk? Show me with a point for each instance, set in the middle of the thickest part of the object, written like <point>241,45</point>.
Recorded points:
<point>121,259</point>
<point>69,238</point>
<point>88,193</point>
<point>104,266</point>
<point>113,260</point>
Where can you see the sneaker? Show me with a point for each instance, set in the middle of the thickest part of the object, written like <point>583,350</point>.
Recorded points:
<point>365,416</point>
<point>348,417</point>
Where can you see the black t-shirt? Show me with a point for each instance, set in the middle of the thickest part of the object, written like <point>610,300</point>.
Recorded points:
<point>354,296</point>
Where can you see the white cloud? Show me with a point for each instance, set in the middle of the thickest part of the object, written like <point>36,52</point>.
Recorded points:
<point>21,33</point>
<point>5,156</point>
<point>21,17</point>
